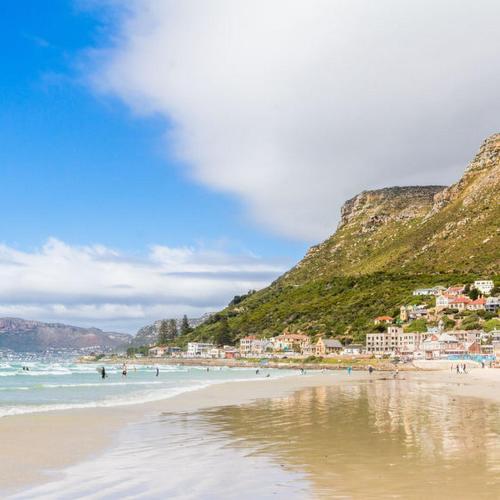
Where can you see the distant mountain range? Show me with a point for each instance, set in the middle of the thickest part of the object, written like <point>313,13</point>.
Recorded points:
<point>22,335</point>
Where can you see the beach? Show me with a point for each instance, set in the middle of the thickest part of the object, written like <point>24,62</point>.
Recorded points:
<point>284,427</point>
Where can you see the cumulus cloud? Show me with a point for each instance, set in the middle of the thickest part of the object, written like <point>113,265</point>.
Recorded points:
<point>295,105</point>
<point>99,286</point>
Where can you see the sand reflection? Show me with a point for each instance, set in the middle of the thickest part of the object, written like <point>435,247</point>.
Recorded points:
<point>380,439</point>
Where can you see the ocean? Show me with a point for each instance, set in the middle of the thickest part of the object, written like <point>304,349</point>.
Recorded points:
<point>58,384</point>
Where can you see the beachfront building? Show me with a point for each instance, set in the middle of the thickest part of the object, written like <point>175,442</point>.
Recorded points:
<point>383,320</point>
<point>324,347</point>
<point>484,286</point>
<point>291,342</point>
<point>157,352</point>
<point>252,346</point>
<point>199,350</point>
<point>395,340</point>
<point>353,350</point>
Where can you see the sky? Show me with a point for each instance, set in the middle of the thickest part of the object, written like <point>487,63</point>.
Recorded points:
<point>158,157</point>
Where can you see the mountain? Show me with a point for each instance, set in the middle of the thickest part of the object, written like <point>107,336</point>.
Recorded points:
<point>388,242</point>
<point>148,335</point>
<point>22,335</point>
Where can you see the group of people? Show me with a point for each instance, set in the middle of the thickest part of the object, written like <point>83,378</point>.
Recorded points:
<point>460,368</point>
<point>103,373</point>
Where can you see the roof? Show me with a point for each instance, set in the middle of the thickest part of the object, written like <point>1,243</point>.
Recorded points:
<point>384,318</point>
<point>445,337</point>
<point>332,343</point>
<point>461,300</point>
<point>479,301</point>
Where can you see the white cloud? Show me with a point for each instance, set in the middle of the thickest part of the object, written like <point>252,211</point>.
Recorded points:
<point>99,286</point>
<point>296,105</point>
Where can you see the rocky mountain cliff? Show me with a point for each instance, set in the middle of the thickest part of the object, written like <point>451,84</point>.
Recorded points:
<point>22,335</point>
<point>388,242</point>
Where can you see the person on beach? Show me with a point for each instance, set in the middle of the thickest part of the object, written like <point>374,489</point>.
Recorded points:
<point>396,373</point>
<point>465,368</point>
<point>370,369</point>
<point>349,370</point>
<point>458,368</point>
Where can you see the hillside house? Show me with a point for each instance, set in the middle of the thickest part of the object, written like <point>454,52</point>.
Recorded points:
<point>484,286</point>
<point>476,305</point>
<point>383,320</point>
<point>492,304</point>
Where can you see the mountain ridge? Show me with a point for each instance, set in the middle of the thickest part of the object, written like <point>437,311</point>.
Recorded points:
<point>388,241</point>
<point>23,335</point>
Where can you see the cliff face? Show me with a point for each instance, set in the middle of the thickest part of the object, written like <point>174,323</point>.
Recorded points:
<point>34,336</point>
<point>373,208</point>
<point>388,242</point>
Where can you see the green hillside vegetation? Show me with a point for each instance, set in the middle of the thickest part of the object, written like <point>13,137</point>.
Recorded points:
<point>389,242</point>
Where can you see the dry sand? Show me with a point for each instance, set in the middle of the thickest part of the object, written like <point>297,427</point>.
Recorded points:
<point>36,446</point>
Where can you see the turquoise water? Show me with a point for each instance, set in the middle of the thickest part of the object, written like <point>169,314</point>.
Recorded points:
<point>64,384</point>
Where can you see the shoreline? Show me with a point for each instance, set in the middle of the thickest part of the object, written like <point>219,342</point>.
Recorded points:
<point>332,363</point>
<point>33,454</point>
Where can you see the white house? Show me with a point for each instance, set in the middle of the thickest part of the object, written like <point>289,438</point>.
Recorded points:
<point>199,349</point>
<point>484,286</point>
<point>492,304</point>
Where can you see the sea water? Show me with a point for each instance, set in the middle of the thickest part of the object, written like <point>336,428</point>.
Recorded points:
<point>57,384</point>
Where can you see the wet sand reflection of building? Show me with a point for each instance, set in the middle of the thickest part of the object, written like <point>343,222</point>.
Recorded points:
<point>383,436</point>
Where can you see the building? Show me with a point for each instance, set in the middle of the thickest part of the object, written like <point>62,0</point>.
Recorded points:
<point>484,286</point>
<point>199,350</point>
<point>447,301</point>
<point>252,346</point>
<point>328,346</point>
<point>492,304</point>
<point>423,291</point>
<point>412,312</point>
<point>395,340</point>
<point>383,320</point>
<point>476,305</point>
<point>455,290</point>
<point>292,342</point>
<point>353,350</point>
<point>157,352</point>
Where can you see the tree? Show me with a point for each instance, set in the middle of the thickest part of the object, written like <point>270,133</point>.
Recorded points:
<point>223,335</point>
<point>474,293</point>
<point>163,332</point>
<point>172,329</point>
<point>185,328</point>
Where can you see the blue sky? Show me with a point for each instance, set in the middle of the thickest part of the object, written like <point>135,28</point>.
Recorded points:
<point>79,166</point>
<point>158,157</point>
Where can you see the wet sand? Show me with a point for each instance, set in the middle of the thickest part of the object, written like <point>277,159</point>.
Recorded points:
<point>35,447</point>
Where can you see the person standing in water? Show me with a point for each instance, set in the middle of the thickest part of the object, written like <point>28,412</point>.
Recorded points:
<point>124,370</point>
<point>157,371</point>
<point>103,373</point>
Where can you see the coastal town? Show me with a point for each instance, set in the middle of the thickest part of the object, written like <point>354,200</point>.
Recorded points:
<point>446,323</point>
